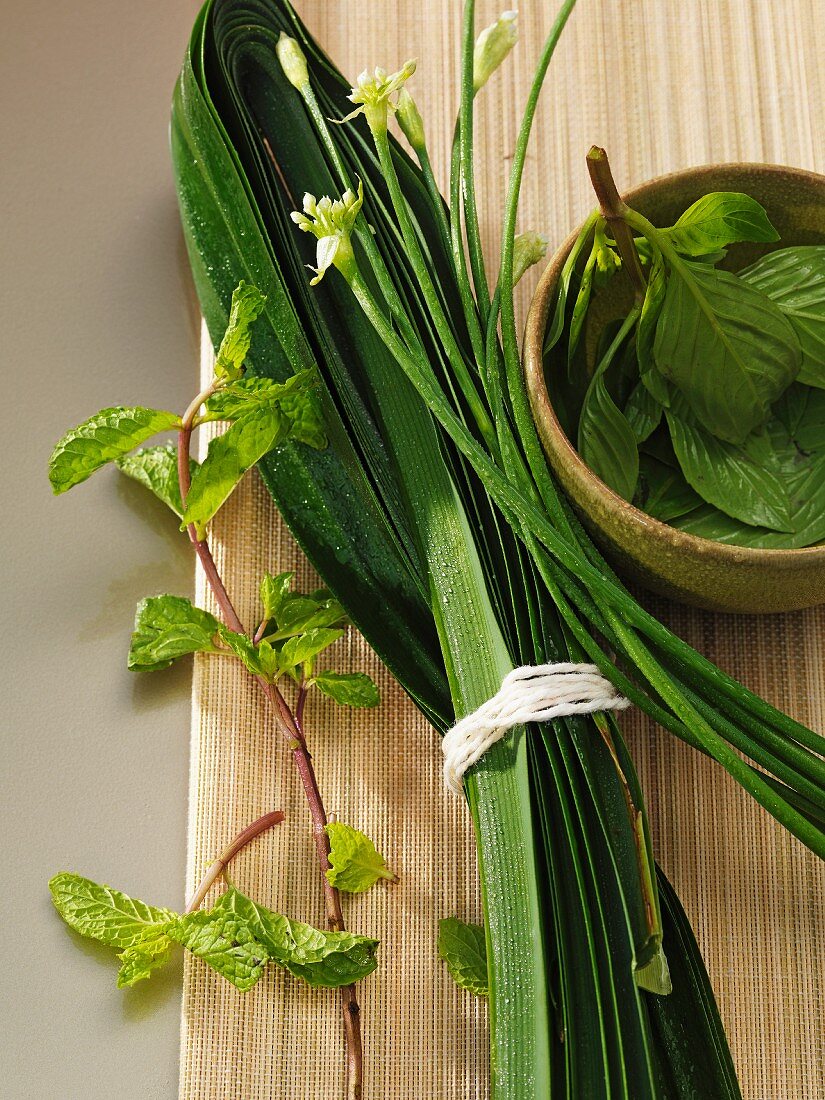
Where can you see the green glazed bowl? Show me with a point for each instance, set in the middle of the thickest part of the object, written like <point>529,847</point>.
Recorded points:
<point>685,567</point>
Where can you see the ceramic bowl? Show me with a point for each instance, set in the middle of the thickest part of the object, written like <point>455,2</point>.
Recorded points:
<point>668,561</point>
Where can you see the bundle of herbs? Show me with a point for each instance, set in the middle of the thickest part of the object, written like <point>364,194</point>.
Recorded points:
<point>433,517</point>
<point>705,404</point>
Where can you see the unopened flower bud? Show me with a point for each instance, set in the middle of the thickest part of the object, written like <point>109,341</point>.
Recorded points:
<point>409,119</point>
<point>492,46</point>
<point>293,61</point>
<point>529,248</point>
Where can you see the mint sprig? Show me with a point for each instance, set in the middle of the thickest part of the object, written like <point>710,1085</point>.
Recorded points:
<point>355,863</point>
<point>236,937</point>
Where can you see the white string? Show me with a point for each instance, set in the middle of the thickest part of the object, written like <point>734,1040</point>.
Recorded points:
<point>532,693</point>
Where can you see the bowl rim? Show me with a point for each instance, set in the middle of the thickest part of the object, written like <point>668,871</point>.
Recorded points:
<point>546,421</point>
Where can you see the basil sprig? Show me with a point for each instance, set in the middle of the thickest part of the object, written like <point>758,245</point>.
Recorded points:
<point>707,408</point>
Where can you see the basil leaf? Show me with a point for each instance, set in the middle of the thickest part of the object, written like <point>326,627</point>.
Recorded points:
<point>794,278</point>
<point>642,412</point>
<point>708,522</point>
<point>463,948</point>
<point>663,492</point>
<point>156,468</point>
<point>717,220</point>
<point>580,306</point>
<point>646,334</point>
<point>605,440</point>
<point>109,434</point>
<point>225,941</point>
<point>726,347</point>
<point>350,689</point>
<point>326,959</point>
<point>775,479</point>
<point>104,914</point>
<point>355,863</point>
<point>247,303</point>
<point>737,479</point>
<point>168,627</point>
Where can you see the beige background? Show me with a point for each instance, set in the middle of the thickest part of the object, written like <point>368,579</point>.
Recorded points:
<point>95,310</point>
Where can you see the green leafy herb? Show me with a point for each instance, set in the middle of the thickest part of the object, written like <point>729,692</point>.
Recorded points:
<point>351,689</point>
<point>151,952</point>
<point>168,627</point>
<point>236,937</point>
<point>646,334</point>
<point>794,278</point>
<point>328,959</point>
<point>726,347</point>
<point>607,441</point>
<point>463,948</point>
<point>247,303</point>
<point>225,941</point>
<point>264,414</point>
<point>642,412</point>
<point>355,864</point>
<point>156,468</point>
<point>718,220</point>
<point>301,650</point>
<point>775,479</point>
<point>102,438</point>
<point>273,592</point>
<point>105,914</point>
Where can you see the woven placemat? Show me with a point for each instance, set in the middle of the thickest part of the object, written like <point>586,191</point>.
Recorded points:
<point>663,84</point>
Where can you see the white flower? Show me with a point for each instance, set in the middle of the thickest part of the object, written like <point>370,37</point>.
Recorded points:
<point>492,46</point>
<point>372,93</point>
<point>528,249</point>
<point>332,222</point>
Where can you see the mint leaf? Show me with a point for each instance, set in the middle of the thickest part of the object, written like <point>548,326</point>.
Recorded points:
<point>300,402</point>
<point>225,941</point>
<point>156,468</point>
<point>717,220</point>
<point>325,959</point>
<point>229,457</point>
<point>148,954</point>
<point>168,627</point>
<point>104,914</point>
<point>261,659</point>
<point>297,399</point>
<point>274,590</point>
<point>242,397</point>
<point>247,303</point>
<point>463,948</point>
<point>351,689</point>
<point>355,864</point>
<point>102,438</point>
<point>300,650</point>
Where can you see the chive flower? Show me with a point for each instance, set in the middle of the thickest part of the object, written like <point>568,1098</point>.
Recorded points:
<point>372,93</point>
<point>492,46</point>
<point>332,222</point>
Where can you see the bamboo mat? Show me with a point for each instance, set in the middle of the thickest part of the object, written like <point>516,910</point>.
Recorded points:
<point>663,84</point>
